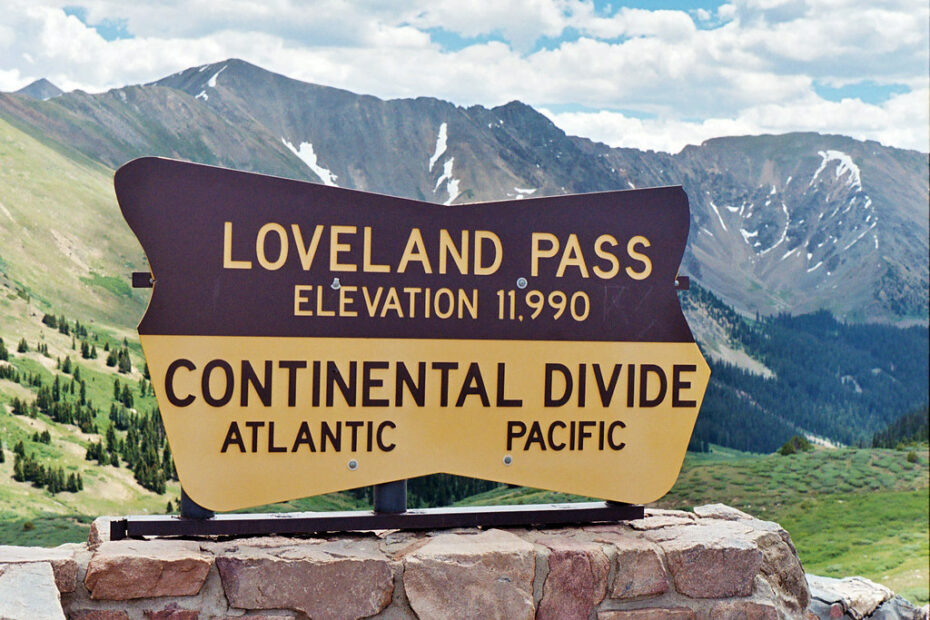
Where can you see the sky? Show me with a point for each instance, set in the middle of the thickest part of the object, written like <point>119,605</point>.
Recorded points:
<point>651,75</point>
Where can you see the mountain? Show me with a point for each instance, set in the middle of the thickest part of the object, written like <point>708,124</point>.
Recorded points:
<point>63,243</point>
<point>796,222</point>
<point>41,89</point>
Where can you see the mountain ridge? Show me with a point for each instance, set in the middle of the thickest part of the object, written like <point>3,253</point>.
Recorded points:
<point>793,222</point>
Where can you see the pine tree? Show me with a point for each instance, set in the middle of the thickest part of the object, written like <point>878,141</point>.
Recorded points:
<point>18,474</point>
<point>126,397</point>
<point>23,347</point>
<point>111,440</point>
<point>123,361</point>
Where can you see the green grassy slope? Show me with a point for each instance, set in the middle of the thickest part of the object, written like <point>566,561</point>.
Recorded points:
<point>62,236</point>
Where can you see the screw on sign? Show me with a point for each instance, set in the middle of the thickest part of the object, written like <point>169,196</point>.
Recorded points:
<point>304,339</point>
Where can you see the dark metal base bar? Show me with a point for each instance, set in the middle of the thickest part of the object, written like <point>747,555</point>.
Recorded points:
<point>239,524</point>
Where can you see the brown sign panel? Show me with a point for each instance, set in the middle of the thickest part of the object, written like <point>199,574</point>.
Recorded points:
<point>305,339</point>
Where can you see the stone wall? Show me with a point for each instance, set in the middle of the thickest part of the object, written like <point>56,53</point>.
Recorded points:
<point>716,562</point>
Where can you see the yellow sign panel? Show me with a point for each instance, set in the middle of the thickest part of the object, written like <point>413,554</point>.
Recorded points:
<point>261,420</point>
<point>304,339</point>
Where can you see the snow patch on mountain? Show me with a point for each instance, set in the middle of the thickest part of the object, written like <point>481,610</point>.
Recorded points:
<point>717,211</point>
<point>211,83</point>
<point>784,232</point>
<point>861,235</point>
<point>452,184</point>
<point>440,146</point>
<point>306,155</point>
<point>523,193</point>
<point>845,165</point>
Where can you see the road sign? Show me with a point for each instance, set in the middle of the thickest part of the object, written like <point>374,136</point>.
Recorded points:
<point>304,339</point>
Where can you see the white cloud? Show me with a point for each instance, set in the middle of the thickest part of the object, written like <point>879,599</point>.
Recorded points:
<point>748,66</point>
<point>902,121</point>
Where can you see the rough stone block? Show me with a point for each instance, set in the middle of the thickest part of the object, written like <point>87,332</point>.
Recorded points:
<point>281,615</point>
<point>721,511</point>
<point>656,518</point>
<point>577,579</point>
<point>339,579</point>
<point>639,570</point>
<point>64,565</point>
<point>782,569</point>
<point>481,576</point>
<point>857,596</point>
<point>710,558</point>
<point>130,569</point>
<point>97,614</point>
<point>99,532</point>
<point>650,613</point>
<point>742,610</point>
<point>171,612</point>
<point>28,592</point>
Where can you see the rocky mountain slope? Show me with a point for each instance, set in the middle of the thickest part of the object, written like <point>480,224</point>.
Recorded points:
<point>790,223</point>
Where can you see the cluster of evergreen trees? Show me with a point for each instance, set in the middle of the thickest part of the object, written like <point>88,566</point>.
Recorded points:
<point>119,357</point>
<point>434,490</point>
<point>53,401</point>
<point>444,489</point>
<point>910,429</point>
<point>144,449</point>
<point>27,469</point>
<point>64,400</point>
<point>837,380</point>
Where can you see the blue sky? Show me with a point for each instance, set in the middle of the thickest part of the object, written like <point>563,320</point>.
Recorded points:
<point>656,75</point>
